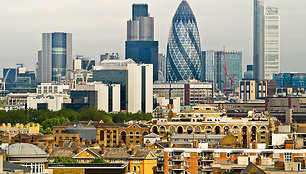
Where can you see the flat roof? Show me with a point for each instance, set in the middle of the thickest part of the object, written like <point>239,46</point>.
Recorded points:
<point>89,165</point>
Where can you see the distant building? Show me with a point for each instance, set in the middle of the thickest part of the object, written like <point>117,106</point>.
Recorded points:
<point>190,93</point>
<point>295,81</point>
<point>51,102</point>
<point>55,58</point>
<point>213,70</point>
<point>162,68</point>
<point>136,85</point>
<point>109,56</point>
<point>266,34</point>
<point>100,96</point>
<point>48,88</point>
<point>252,90</point>
<point>249,75</point>
<point>83,63</point>
<point>140,45</point>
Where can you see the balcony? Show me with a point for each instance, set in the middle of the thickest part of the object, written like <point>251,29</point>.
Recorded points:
<point>159,169</point>
<point>178,158</point>
<point>178,167</point>
<point>208,158</point>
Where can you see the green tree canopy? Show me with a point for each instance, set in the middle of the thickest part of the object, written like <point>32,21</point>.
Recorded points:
<point>65,160</point>
<point>99,160</point>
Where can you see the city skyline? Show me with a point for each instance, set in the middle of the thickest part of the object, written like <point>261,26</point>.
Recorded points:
<point>109,36</point>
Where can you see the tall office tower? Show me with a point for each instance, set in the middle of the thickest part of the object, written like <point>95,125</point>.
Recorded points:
<point>140,45</point>
<point>55,58</point>
<point>136,91</point>
<point>184,48</point>
<point>139,10</point>
<point>266,56</point>
<point>213,70</point>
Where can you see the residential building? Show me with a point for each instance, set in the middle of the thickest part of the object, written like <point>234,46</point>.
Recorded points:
<point>139,160</point>
<point>266,56</point>
<point>190,93</point>
<point>136,85</point>
<point>55,58</point>
<point>252,90</point>
<point>219,160</point>
<point>183,48</point>
<point>20,128</point>
<point>140,45</point>
<point>211,121</point>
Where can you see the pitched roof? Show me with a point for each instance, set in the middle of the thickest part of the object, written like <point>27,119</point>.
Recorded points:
<point>251,166</point>
<point>116,153</point>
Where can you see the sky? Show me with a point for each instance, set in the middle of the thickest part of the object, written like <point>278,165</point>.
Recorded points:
<point>99,26</point>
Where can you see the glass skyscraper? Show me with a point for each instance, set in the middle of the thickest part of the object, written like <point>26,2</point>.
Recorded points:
<point>55,57</point>
<point>184,48</point>
<point>139,10</point>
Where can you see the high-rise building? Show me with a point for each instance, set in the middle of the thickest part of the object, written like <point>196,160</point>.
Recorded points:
<point>184,48</point>
<point>161,68</point>
<point>249,75</point>
<point>136,85</point>
<point>139,10</point>
<point>140,45</point>
<point>213,70</point>
<point>55,58</point>
<point>266,56</point>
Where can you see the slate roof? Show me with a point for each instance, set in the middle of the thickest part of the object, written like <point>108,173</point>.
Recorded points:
<point>7,166</point>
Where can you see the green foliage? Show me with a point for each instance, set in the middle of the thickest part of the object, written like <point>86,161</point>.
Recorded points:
<point>98,160</point>
<point>65,160</point>
<point>47,119</point>
<point>231,172</point>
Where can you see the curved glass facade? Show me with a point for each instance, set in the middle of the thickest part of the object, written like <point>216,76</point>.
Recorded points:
<point>184,48</point>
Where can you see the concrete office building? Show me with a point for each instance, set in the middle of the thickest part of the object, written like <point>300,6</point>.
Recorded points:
<point>190,93</point>
<point>104,97</point>
<point>55,58</point>
<point>48,88</point>
<point>266,56</point>
<point>109,56</point>
<point>136,93</point>
<point>140,45</point>
<point>83,63</point>
<point>47,102</point>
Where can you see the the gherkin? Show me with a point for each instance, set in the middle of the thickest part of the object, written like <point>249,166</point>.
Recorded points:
<point>184,48</point>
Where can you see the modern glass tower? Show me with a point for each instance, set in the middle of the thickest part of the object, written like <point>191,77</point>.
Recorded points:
<point>55,57</point>
<point>184,48</point>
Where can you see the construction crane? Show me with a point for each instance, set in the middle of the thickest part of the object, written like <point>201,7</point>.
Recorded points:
<point>226,74</point>
<point>4,79</point>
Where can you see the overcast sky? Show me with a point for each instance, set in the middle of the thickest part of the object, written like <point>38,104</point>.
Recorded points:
<point>99,26</point>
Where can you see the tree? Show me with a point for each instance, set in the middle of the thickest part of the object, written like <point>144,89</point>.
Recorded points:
<point>65,160</point>
<point>99,160</point>
<point>47,125</point>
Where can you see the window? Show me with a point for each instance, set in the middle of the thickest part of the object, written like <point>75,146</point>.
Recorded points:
<point>134,168</point>
<point>187,163</point>
<point>170,163</point>
<point>228,155</point>
<point>235,132</point>
<point>186,172</point>
<point>170,154</point>
<point>199,163</point>
<point>187,154</point>
<point>136,161</point>
<point>217,154</point>
<point>288,157</point>
<point>138,169</point>
<point>199,154</point>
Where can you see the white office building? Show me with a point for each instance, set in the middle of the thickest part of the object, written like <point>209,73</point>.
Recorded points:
<point>266,57</point>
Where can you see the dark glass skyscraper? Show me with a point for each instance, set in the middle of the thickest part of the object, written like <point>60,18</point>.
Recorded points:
<point>139,10</point>
<point>140,45</point>
<point>184,48</point>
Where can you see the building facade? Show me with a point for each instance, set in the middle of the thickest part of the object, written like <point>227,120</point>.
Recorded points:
<point>213,71</point>
<point>136,84</point>
<point>266,56</point>
<point>140,45</point>
<point>296,81</point>
<point>191,93</point>
<point>55,58</point>
<point>184,48</point>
